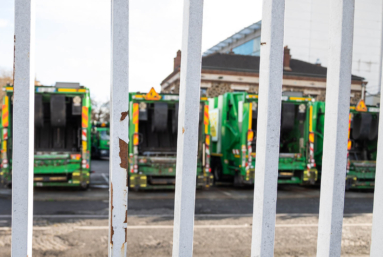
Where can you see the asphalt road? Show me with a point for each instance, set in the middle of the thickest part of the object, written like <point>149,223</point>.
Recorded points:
<point>70,222</point>
<point>217,200</point>
<point>140,204</point>
<point>100,166</point>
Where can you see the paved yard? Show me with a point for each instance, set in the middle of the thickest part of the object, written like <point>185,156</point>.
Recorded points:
<point>215,235</point>
<point>70,222</point>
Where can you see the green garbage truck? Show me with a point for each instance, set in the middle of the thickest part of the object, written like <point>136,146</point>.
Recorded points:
<point>233,126</point>
<point>362,143</point>
<point>62,136</point>
<point>153,127</point>
<point>100,140</point>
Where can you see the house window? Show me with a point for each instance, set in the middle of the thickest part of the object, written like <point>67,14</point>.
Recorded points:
<point>251,47</point>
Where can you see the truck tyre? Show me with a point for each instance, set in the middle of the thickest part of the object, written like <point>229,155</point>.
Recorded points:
<point>94,154</point>
<point>348,184</point>
<point>217,173</point>
<point>134,189</point>
<point>238,180</point>
<point>84,186</point>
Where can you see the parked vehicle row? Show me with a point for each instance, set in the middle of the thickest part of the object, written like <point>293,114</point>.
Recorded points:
<point>233,120</point>
<point>65,139</point>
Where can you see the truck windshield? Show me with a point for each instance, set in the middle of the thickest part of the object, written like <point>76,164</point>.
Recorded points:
<point>104,135</point>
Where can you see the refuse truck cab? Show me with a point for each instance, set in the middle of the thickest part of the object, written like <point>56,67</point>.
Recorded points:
<point>100,139</point>
<point>62,136</point>
<point>362,143</point>
<point>153,128</point>
<point>233,126</point>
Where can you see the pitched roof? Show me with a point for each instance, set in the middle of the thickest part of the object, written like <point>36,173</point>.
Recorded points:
<point>247,63</point>
<point>237,36</point>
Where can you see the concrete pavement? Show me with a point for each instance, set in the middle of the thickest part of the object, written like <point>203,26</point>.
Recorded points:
<point>223,236</point>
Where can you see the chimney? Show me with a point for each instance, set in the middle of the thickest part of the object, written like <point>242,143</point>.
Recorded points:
<point>177,60</point>
<point>286,59</point>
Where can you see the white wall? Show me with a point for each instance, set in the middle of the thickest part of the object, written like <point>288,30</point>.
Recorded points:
<point>306,34</point>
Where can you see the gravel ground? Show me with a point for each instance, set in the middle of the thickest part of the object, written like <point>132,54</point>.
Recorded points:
<point>215,235</point>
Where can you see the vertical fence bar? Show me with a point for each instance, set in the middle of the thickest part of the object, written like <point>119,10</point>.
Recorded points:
<point>23,129</point>
<point>336,128</point>
<point>119,132</point>
<point>269,115</point>
<point>377,222</point>
<point>188,129</point>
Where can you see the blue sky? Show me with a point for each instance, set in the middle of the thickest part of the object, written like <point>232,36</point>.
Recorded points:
<point>73,38</point>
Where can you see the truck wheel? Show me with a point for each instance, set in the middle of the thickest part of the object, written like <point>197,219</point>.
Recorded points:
<point>348,184</point>
<point>84,186</point>
<point>93,153</point>
<point>217,173</point>
<point>238,181</point>
<point>134,189</point>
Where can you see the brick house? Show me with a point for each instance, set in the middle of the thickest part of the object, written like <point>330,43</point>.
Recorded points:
<point>231,72</point>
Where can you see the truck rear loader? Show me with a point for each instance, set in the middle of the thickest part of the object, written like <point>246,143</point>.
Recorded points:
<point>153,128</point>
<point>62,136</point>
<point>233,122</point>
<point>362,143</point>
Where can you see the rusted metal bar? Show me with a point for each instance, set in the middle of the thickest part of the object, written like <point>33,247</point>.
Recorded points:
<point>23,129</point>
<point>377,222</point>
<point>269,115</point>
<point>336,128</point>
<point>186,166</point>
<point>119,132</point>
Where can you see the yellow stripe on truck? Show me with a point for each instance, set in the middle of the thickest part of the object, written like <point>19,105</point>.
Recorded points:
<point>206,119</point>
<point>135,139</point>
<point>84,146</point>
<point>311,137</point>
<point>294,98</point>
<point>4,146</point>
<point>71,90</point>
<point>67,90</point>
<point>250,115</point>
<point>311,120</point>
<point>135,117</point>
<point>5,112</point>
<point>85,117</point>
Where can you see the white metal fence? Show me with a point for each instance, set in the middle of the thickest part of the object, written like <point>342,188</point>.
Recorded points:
<point>265,193</point>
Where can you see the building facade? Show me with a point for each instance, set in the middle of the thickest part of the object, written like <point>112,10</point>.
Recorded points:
<point>307,35</point>
<point>231,72</point>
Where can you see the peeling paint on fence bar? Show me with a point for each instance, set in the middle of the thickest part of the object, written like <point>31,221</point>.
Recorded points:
<point>119,132</point>
<point>186,166</point>
<point>336,128</point>
<point>23,129</point>
<point>377,223</point>
<point>269,115</point>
